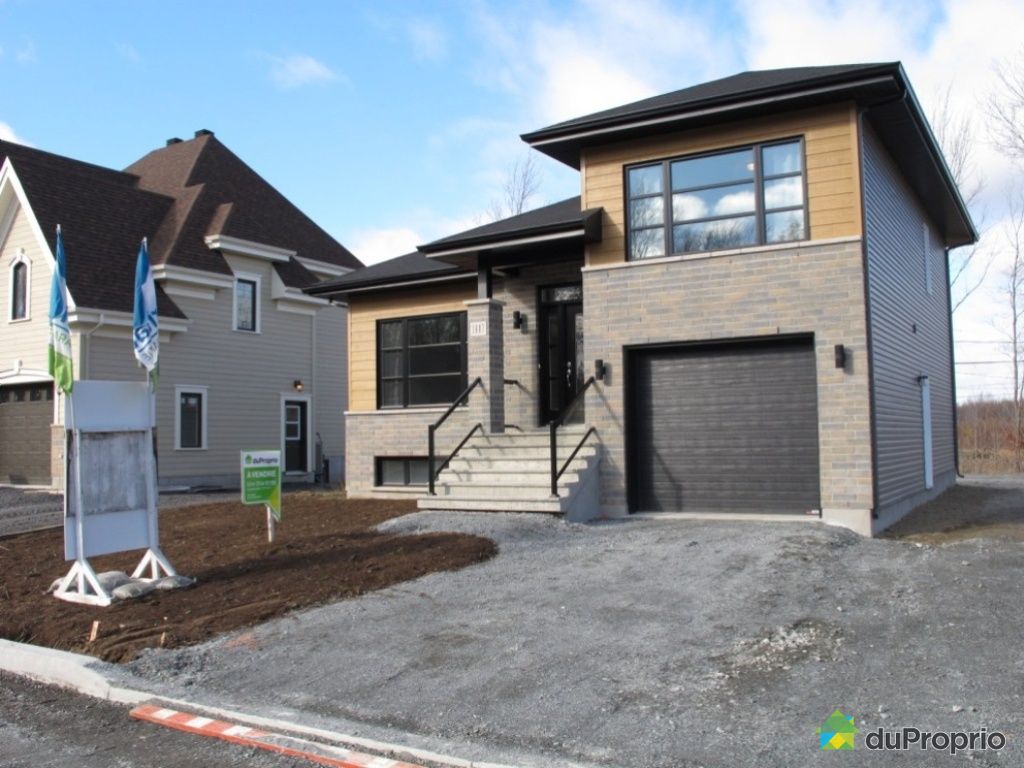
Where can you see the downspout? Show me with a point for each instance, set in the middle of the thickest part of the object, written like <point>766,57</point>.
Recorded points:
<point>311,420</point>
<point>952,374</point>
<point>87,354</point>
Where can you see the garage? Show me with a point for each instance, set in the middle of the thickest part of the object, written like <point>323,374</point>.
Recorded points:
<point>26,413</point>
<point>724,428</point>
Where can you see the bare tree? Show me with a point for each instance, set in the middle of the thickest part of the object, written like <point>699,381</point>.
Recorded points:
<point>521,184</point>
<point>968,267</point>
<point>1005,107</point>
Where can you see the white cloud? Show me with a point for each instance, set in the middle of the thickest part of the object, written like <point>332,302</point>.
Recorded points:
<point>428,38</point>
<point>7,134</point>
<point>372,246</point>
<point>298,69</point>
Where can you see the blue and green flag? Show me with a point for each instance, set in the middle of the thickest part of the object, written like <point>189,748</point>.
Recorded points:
<point>145,326</point>
<point>61,366</point>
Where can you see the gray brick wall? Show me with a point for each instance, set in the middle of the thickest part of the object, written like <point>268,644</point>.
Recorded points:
<point>812,288</point>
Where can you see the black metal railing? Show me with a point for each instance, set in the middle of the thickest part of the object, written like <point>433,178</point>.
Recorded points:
<point>555,424</point>
<point>432,429</point>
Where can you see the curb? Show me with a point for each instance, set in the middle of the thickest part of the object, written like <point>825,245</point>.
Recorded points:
<point>325,754</point>
<point>72,670</point>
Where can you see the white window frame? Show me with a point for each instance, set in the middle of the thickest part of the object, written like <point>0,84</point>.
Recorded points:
<point>308,400</point>
<point>191,389</point>
<point>19,258</point>
<point>257,297</point>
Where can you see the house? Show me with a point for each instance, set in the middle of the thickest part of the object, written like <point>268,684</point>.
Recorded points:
<point>746,313</point>
<point>247,359</point>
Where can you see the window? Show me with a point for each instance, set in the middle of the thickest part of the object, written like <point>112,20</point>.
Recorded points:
<point>421,360</point>
<point>247,298</point>
<point>190,417</point>
<point>410,470</point>
<point>732,199</point>
<point>19,279</point>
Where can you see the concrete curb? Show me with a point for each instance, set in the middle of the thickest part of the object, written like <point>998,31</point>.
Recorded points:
<point>72,670</point>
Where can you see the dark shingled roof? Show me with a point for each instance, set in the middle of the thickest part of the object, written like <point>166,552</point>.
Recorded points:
<point>744,84</point>
<point>562,216</point>
<point>411,266</point>
<point>176,196</point>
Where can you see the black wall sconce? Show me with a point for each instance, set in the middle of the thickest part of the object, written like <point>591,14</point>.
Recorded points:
<point>518,319</point>
<point>840,356</point>
<point>298,385</point>
<point>600,370</point>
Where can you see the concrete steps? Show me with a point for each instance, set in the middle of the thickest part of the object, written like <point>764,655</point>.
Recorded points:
<point>511,472</point>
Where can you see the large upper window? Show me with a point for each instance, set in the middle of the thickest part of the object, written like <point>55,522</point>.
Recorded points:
<point>19,290</point>
<point>421,360</point>
<point>731,199</point>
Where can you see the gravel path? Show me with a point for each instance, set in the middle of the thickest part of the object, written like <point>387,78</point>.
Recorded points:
<point>647,643</point>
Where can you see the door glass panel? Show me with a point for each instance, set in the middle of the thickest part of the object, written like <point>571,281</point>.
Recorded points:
<point>562,293</point>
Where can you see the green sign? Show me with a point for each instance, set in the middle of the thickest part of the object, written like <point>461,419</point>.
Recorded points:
<point>261,480</point>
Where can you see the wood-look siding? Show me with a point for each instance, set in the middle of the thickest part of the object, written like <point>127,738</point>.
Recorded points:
<point>833,184</point>
<point>365,311</point>
<point>909,330</point>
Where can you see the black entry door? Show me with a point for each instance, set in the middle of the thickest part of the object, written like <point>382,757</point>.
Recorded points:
<point>560,350</point>
<point>296,436</point>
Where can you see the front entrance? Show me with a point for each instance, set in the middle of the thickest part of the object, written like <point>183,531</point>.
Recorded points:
<point>296,436</point>
<point>560,348</point>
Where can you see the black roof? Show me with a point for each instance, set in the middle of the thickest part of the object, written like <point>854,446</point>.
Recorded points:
<point>411,266</point>
<point>563,216</point>
<point>743,85</point>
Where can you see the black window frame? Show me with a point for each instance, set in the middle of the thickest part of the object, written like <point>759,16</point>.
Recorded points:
<point>19,268</point>
<point>253,317</point>
<point>378,471</point>
<point>758,179</point>
<point>405,376</point>
<point>182,394</point>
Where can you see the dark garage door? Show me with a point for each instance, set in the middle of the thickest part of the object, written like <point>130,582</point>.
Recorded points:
<point>26,412</point>
<point>731,428</point>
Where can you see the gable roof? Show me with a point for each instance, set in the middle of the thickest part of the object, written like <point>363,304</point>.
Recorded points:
<point>176,196</point>
<point>410,267</point>
<point>881,90</point>
<point>562,217</point>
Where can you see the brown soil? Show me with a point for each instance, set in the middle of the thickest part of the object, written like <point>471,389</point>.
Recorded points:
<point>326,549</point>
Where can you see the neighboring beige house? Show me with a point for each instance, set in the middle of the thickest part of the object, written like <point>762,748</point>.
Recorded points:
<point>247,359</point>
<point>745,313</point>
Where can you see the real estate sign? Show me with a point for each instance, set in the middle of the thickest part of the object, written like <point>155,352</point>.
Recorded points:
<point>261,480</point>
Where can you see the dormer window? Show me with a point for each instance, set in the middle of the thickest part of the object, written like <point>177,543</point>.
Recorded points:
<point>729,199</point>
<point>19,282</point>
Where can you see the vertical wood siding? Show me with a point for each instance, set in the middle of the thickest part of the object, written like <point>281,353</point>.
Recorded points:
<point>899,300</point>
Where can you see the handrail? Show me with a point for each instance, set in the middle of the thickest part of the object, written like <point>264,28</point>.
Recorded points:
<point>440,469</point>
<point>555,424</point>
<point>477,382</point>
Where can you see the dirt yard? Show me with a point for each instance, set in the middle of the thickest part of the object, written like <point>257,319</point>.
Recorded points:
<point>978,507</point>
<point>326,549</point>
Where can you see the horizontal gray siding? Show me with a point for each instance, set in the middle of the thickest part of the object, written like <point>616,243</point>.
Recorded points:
<point>910,329</point>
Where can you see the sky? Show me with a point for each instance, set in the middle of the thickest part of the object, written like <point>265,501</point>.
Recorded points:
<point>394,123</point>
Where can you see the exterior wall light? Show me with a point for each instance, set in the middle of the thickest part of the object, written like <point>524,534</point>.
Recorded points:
<point>518,319</point>
<point>840,356</point>
<point>298,385</point>
<point>600,370</point>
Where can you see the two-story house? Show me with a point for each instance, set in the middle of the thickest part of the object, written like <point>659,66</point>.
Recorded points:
<point>247,359</point>
<point>745,313</point>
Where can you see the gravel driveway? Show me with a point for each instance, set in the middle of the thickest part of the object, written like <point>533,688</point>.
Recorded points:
<point>648,643</point>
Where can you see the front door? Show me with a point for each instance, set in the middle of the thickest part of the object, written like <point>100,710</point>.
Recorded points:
<point>560,350</point>
<point>296,436</point>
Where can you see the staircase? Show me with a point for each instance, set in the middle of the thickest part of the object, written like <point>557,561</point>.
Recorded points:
<point>511,472</point>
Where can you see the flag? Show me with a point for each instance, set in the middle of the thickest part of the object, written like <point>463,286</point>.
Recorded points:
<point>145,328</point>
<point>61,366</point>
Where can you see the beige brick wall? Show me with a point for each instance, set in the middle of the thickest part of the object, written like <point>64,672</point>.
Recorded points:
<point>812,288</point>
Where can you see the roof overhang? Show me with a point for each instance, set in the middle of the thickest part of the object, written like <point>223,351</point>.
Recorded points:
<point>242,247</point>
<point>467,252</point>
<point>388,284</point>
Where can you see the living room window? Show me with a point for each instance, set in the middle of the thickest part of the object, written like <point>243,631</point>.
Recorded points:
<point>421,360</point>
<point>735,198</point>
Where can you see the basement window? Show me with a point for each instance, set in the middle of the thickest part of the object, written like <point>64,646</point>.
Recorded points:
<point>401,471</point>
